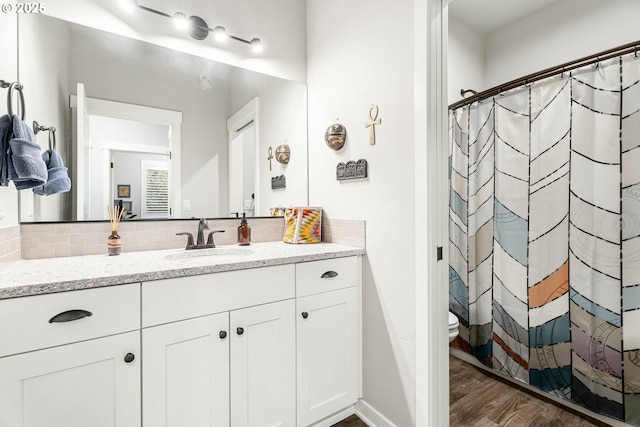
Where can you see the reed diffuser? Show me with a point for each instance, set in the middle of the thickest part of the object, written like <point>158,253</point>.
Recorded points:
<point>113,241</point>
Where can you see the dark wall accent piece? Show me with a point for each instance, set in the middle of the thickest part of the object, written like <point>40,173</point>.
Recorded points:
<point>278,182</point>
<point>351,170</point>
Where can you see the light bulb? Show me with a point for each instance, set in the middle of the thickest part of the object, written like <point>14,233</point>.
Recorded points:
<point>128,5</point>
<point>180,21</point>
<point>220,34</point>
<point>256,45</point>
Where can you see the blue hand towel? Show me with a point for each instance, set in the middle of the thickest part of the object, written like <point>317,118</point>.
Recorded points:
<point>58,180</point>
<point>5,135</point>
<point>26,167</point>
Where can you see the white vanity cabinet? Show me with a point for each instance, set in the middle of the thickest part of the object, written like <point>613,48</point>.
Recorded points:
<point>186,373</point>
<point>219,349</point>
<point>264,346</point>
<point>71,359</point>
<point>263,360</point>
<point>328,338</point>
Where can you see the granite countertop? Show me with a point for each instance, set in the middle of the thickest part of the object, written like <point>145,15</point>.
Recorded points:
<point>44,276</point>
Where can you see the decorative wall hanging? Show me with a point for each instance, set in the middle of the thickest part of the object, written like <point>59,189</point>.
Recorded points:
<point>270,156</point>
<point>335,136</point>
<point>351,170</point>
<point>278,182</point>
<point>124,191</point>
<point>373,115</point>
<point>283,153</point>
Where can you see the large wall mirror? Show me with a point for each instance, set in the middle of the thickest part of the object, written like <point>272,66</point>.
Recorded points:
<point>132,117</point>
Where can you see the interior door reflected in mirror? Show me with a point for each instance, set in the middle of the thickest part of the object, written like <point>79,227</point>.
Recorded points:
<point>241,127</point>
<point>125,157</point>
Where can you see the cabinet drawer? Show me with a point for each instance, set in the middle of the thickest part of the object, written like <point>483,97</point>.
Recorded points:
<point>170,300</point>
<point>28,323</point>
<point>326,275</point>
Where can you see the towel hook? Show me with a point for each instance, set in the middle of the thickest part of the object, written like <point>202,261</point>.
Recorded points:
<point>15,86</point>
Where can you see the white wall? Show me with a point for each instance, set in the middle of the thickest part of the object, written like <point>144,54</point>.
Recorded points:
<point>466,59</point>
<point>561,32</point>
<point>46,96</point>
<point>282,119</point>
<point>564,31</point>
<point>8,72</point>
<point>358,53</point>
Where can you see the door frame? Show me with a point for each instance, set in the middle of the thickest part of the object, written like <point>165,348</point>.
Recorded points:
<point>173,119</point>
<point>239,120</point>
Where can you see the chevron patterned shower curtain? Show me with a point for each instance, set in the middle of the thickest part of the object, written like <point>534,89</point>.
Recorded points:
<point>545,235</point>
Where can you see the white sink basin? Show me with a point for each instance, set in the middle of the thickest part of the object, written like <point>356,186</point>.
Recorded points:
<point>216,252</point>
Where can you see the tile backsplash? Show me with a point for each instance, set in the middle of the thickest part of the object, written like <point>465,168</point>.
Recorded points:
<point>51,240</point>
<point>344,231</point>
<point>9,245</point>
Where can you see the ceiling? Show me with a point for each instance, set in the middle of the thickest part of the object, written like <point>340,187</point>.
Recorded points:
<point>489,15</point>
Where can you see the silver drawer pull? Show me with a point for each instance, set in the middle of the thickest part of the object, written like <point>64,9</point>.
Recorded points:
<point>70,316</point>
<point>329,274</point>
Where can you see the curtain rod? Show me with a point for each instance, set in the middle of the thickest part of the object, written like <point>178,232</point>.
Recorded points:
<point>549,72</point>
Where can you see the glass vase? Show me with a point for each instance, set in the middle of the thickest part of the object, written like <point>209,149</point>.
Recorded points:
<point>114,244</point>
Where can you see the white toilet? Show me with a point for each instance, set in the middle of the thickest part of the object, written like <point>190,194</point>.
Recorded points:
<point>453,326</point>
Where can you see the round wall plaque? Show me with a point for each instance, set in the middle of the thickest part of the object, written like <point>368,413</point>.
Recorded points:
<point>335,136</point>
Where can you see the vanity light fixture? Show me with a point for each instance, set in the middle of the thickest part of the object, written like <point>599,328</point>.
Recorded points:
<point>220,34</point>
<point>128,5</point>
<point>256,45</point>
<point>180,21</point>
<point>194,25</point>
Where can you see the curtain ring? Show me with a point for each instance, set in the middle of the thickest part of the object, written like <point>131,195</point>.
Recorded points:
<point>15,86</point>
<point>52,139</point>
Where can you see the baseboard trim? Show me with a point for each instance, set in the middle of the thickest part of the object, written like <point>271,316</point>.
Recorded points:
<point>371,416</point>
<point>335,418</point>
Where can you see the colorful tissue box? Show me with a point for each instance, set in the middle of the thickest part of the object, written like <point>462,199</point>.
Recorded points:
<point>277,211</point>
<point>302,225</point>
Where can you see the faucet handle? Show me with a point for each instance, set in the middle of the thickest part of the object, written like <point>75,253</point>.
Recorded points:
<point>189,238</point>
<point>210,237</point>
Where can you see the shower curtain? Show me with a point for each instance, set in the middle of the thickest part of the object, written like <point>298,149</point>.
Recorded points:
<point>545,235</point>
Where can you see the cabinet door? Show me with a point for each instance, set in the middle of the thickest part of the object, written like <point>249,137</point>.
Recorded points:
<point>76,385</point>
<point>263,366</point>
<point>327,354</point>
<point>185,379</point>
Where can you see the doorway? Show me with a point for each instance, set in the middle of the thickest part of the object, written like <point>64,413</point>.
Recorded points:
<point>242,130</point>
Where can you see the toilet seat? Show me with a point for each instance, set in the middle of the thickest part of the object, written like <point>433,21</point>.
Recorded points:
<point>453,326</point>
<point>453,321</point>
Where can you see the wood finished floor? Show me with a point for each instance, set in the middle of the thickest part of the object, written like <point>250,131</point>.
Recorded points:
<point>479,399</point>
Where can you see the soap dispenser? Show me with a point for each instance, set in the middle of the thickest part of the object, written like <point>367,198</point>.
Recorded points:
<point>244,232</point>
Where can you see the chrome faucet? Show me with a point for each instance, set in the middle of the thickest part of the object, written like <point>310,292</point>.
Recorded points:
<point>200,244</point>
